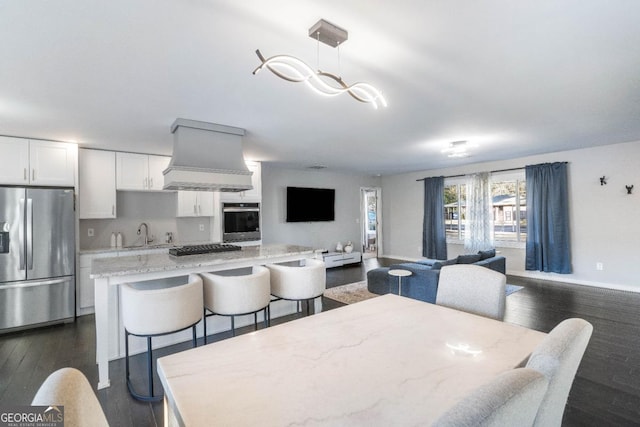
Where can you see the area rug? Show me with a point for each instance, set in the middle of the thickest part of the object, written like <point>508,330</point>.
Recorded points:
<point>348,294</point>
<point>356,292</point>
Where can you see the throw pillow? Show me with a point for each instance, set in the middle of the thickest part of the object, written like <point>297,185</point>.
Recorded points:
<point>487,254</point>
<point>439,264</point>
<point>468,259</point>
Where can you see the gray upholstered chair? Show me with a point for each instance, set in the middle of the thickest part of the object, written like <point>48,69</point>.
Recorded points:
<point>510,399</point>
<point>304,281</point>
<point>473,289</point>
<point>69,387</point>
<point>235,293</point>
<point>155,308</point>
<point>558,357</point>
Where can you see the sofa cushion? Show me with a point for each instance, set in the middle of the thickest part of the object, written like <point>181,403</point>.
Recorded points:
<point>468,259</point>
<point>487,254</point>
<point>439,264</point>
<point>426,261</point>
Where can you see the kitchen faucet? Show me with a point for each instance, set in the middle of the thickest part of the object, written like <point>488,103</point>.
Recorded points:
<point>147,240</point>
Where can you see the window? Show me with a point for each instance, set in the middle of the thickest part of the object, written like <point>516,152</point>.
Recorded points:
<point>454,210</point>
<point>508,193</point>
<point>509,210</point>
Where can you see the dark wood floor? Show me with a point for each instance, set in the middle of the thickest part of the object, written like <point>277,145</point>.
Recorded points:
<point>606,391</point>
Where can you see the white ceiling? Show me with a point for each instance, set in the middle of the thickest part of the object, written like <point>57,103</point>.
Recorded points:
<point>516,77</point>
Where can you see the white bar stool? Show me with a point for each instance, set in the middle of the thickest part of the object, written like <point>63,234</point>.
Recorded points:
<point>159,307</point>
<point>235,293</point>
<point>303,282</point>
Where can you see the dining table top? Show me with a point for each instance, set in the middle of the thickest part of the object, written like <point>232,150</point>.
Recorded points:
<point>389,360</point>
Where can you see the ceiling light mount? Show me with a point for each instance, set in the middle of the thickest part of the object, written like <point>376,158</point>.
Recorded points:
<point>458,149</point>
<point>328,33</point>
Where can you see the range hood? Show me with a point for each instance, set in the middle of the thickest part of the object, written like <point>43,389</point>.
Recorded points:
<point>206,157</point>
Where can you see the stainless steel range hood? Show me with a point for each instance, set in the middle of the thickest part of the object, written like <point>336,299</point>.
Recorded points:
<point>206,157</point>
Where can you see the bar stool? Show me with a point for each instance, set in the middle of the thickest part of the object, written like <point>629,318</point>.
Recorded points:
<point>303,282</point>
<point>155,308</point>
<point>236,293</point>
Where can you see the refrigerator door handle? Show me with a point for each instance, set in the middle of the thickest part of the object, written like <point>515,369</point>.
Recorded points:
<point>29,229</point>
<point>21,234</point>
<point>36,283</point>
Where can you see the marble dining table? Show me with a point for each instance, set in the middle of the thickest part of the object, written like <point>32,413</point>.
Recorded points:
<point>389,360</point>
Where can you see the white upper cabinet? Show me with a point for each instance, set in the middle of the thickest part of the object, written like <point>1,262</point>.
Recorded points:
<point>195,203</point>
<point>253,195</point>
<point>14,160</point>
<point>52,163</point>
<point>157,164</point>
<point>27,162</point>
<point>97,184</point>
<point>141,172</point>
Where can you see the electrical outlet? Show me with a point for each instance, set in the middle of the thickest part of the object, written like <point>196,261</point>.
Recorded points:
<point>90,232</point>
<point>599,266</point>
<point>201,227</point>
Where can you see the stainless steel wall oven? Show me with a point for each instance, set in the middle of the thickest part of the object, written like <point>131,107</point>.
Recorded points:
<point>240,222</point>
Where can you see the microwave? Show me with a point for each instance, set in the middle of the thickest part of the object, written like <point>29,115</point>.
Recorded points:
<point>240,222</point>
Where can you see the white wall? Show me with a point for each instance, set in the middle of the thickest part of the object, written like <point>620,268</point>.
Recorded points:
<point>605,225</point>
<point>319,235</point>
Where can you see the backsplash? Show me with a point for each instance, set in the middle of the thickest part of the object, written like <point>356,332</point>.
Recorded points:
<point>157,210</point>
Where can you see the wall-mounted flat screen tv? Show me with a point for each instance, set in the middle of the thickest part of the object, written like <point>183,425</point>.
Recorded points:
<point>310,204</point>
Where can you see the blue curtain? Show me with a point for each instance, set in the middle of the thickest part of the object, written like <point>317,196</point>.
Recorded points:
<point>434,242</point>
<point>548,243</point>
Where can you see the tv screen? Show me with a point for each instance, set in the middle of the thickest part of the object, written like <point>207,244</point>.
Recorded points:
<point>310,204</point>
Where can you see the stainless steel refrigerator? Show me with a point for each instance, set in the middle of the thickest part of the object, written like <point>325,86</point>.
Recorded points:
<point>37,257</point>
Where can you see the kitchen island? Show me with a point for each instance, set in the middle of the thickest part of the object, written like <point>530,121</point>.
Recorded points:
<point>108,273</point>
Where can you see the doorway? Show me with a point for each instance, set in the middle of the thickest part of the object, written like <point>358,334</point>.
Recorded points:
<point>371,220</point>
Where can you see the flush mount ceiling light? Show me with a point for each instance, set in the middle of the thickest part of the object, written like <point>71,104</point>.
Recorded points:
<point>295,70</point>
<point>458,149</point>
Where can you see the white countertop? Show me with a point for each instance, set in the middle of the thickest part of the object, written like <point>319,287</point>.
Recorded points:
<point>384,361</point>
<point>160,262</point>
<point>125,249</point>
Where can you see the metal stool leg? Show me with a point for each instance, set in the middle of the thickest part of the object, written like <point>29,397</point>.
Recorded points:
<point>233,325</point>
<point>150,365</point>
<point>126,355</point>
<point>204,317</point>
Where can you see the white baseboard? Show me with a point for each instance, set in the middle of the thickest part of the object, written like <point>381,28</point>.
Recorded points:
<point>553,277</point>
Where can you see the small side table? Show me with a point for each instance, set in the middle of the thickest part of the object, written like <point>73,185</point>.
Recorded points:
<point>399,273</point>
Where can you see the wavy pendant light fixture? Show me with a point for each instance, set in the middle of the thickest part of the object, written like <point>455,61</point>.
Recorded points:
<point>294,70</point>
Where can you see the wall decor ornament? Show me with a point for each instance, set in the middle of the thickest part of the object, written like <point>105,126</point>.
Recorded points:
<point>629,188</point>
<point>603,180</point>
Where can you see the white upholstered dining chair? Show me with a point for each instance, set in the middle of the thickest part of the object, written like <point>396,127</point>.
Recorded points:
<point>510,399</point>
<point>558,357</point>
<point>472,288</point>
<point>69,387</point>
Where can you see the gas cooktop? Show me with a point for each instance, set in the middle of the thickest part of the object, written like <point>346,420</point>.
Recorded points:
<point>202,249</point>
